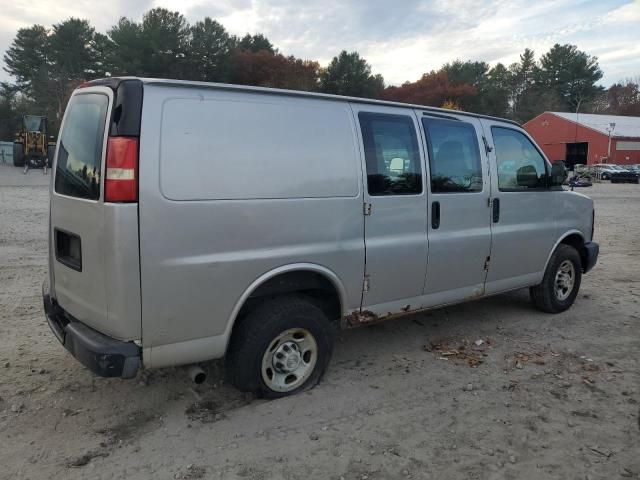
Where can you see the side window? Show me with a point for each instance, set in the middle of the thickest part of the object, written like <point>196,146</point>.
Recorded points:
<point>454,156</point>
<point>520,165</point>
<point>391,153</point>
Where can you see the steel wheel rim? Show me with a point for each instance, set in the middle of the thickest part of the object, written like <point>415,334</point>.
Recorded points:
<point>289,360</point>
<point>565,280</point>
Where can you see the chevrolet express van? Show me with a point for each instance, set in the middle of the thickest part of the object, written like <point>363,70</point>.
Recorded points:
<point>193,221</point>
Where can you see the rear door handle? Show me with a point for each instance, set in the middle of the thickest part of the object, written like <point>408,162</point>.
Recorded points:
<point>496,210</point>
<point>435,215</point>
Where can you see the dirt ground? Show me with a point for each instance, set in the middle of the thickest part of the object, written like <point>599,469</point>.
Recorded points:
<point>541,396</point>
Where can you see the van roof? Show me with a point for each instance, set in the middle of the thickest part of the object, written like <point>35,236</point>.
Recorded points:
<point>113,82</point>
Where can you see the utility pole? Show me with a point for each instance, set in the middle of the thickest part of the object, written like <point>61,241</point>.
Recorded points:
<point>610,129</point>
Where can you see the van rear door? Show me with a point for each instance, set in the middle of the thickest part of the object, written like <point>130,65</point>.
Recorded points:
<point>93,247</point>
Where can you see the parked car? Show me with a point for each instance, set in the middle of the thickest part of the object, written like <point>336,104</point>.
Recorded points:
<point>625,175</point>
<point>192,221</point>
<point>604,170</point>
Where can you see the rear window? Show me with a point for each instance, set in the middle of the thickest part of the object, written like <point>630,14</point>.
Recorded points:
<point>80,149</point>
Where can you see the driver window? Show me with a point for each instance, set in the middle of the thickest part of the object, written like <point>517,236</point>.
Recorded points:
<point>520,165</point>
<point>454,156</point>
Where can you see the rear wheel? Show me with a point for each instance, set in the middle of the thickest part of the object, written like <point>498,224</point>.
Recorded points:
<point>18,155</point>
<point>283,346</point>
<point>561,281</point>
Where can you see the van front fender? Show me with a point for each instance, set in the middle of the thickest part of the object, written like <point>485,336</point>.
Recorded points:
<point>562,239</point>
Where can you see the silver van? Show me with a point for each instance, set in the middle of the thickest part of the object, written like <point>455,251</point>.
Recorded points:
<point>193,221</point>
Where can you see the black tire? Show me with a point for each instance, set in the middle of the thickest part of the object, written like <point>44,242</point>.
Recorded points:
<point>258,331</point>
<point>18,155</point>
<point>544,296</point>
<point>51,152</point>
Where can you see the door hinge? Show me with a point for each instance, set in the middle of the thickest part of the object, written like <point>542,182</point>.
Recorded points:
<point>366,208</point>
<point>486,263</point>
<point>365,284</point>
<point>487,148</point>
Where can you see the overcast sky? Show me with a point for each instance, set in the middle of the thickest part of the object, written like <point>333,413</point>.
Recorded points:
<point>401,38</point>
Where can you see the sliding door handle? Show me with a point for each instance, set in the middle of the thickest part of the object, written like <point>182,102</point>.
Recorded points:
<point>496,210</point>
<point>435,215</point>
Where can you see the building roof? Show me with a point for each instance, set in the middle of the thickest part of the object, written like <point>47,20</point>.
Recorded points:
<point>624,126</point>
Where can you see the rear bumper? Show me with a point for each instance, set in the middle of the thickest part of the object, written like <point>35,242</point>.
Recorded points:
<point>591,255</point>
<point>103,355</point>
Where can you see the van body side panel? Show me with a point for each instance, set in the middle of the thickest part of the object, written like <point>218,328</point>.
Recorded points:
<point>226,197</point>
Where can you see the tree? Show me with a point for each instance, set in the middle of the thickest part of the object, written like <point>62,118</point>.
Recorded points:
<point>432,89</point>
<point>8,116</point>
<point>73,59</point>
<point>27,58</point>
<point>523,75</point>
<point>496,92</point>
<point>210,52</point>
<point>255,43</point>
<point>571,74</point>
<point>127,48</point>
<point>624,99</point>
<point>102,53</point>
<point>492,85</point>
<point>349,74</point>
<point>165,40</point>
<point>266,69</point>
<point>472,73</point>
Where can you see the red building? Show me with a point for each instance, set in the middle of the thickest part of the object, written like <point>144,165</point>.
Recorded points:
<point>586,138</point>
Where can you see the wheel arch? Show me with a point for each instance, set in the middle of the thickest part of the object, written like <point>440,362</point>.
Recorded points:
<point>289,279</point>
<point>575,239</point>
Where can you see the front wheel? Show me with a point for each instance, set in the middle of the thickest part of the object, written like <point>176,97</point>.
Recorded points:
<point>282,347</point>
<point>561,281</point>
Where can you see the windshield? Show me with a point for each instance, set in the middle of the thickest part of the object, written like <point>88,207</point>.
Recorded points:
<point>33,123</point>
<point>80,151</point>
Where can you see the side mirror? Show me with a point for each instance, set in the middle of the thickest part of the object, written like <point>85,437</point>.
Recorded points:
<point>527,176</point>
<point>558,173</point>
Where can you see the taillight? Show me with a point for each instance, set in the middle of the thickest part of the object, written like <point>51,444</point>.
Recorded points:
<point>121,179</point>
